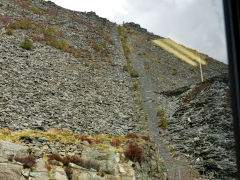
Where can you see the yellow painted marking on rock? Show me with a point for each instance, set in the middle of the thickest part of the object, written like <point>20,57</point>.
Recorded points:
<point>180,51</point>
<point>166,47</point>
<point>185,51</point>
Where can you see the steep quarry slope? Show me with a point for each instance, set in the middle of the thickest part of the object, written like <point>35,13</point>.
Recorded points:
<point>79,98</point>
<point>190,121</point>
<point>62,79</point>
<point>71,80</point>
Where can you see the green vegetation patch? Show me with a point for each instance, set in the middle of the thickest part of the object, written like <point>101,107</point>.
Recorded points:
<point>27,44</point>
<point>22,25</point>
<point>174,72</point>
<point>136,86</point>
<point>28,24</point>
<point>101,48</point>
<point>134,73</point>
<point>162,121</point>
<point>10,31</point>
<point>50,35</point>
<point>160,113</point>
<point>124,35</point>
<point>59,44</point>
<point>129,68</point>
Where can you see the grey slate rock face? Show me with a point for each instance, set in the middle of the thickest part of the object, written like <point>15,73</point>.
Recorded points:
<point>202,127</point>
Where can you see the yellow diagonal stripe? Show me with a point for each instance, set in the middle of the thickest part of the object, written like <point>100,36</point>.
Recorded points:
<point>185,51</point>
<point>174,52</point>
<point>180,51</point>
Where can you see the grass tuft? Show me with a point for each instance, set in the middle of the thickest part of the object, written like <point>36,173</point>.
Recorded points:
<point>27,44</point>
<point>136,86</point>
<point>22,25</point>
<point>134,73</point>
<point>160,113</point>
<point>163,122</point>
<point>10,31</point>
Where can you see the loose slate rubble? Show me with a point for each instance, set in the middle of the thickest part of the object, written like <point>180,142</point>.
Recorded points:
<point>47,88</point>
<point>202,127</point>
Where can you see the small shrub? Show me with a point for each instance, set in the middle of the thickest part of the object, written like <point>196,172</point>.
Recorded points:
<point>59,44</point>
<point>34,10</point>
<point>28,162</point>
<point>22,24</point>
<point>174,72</point>
<point>134,153</point>
<point>134,73</point>
<point>115,142</point>
<point>66,160</point>
<point>99,47</point>
<point>163,122</point>
<point>171,149</point>
<point>160,113</point>
<point>136,86</point>
<point>10,31</point>
<point>131,135</point>
<point>86,63</point>
<point>27,44</point>
<point>56,157</point>
<point>50,31</point>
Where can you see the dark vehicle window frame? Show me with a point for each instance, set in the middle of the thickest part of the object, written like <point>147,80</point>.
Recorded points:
<point>232,24</point>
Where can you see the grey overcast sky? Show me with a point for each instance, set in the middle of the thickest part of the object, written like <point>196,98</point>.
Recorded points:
<point>198,24</point>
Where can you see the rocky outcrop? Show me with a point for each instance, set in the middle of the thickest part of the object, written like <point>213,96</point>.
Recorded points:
<point>89,158</point>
